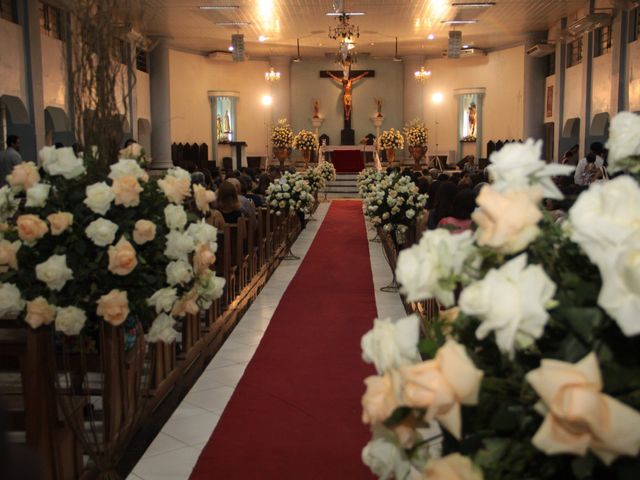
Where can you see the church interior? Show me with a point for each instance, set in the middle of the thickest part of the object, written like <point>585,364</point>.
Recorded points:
<point>312,239</point>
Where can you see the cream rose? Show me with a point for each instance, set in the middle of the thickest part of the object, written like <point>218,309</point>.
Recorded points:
<point>203,198</point>
<point>31,228</point>
<point>144,231</point>
<point>60,222</point>
<point>11,301</point>
<point>175,189</point>
<point>452,467</point>
<point>379,401</point>
<point>125,167</point>
<point>102,232</point>
<point>179,173</point>
<point>54,272</point>
<point>508,221</point>
<point>186,305</point>
<point>203,259</point>
<point>162,330</point>
<point>434,266</point>
<point>511,302</point>
<point>99,198</point>
<point>62,161</point>
<point>179,273</point>
<point>162,300</point>
<point>24,175</point>
<point>122,258</point>
<point>70,320</point>
<point>202,232</point>
<point>386,458</point>
<point>8,255</point>
<point>209,289</point>
<point>179,245</point>
<point>113,307</point>
<point>39,312</point>
<point>442,385</point>
<point>580,417</point>
<point>37,195</point>
<point>175,217</point>
<point>392,344</point>
<point>127,191</point>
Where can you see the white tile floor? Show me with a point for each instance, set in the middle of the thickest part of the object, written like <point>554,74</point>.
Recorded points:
<point>175,450</point>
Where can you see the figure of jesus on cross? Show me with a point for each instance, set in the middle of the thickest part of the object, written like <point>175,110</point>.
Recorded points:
<point>347,85</point>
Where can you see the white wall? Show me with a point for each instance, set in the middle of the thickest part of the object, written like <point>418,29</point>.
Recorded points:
<point>306,85</point>
<point>601,84</point>
<point>192,76</point>
<point>501,73</point>
<point>143,92</point>
<point>573,91</point>
<point>54,73</point>
<point>634,76</point>
<point>12,67</point>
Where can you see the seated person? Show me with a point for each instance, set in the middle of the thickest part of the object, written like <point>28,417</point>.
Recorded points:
<point>228,203</point>
<point>246,205</point>
<point>247,187</point>
<point>464,204</point>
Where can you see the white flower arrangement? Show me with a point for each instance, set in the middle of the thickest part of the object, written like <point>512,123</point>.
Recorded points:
<point>416,134</point>
<point>282,135</point>
<point>64,268</point>
<point>315,179</point>
<point>391,140</point>
<point>289,194</point>
<point>327,171</point>
<point>624,143</point>
<point>305,140</point>
<point>538,307</point>
<point>135,152</point>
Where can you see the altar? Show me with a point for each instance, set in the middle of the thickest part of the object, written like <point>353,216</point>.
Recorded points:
<point>347,158</point>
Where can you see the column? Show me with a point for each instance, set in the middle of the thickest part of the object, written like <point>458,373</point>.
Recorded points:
<point>160,107</point>
<point>413,90</point>
<point>29,17</point>
<point>619,65</point>
<point>558,93</point>
<point>534,90</point>
<point>587,82</point>
<point>281,89</point>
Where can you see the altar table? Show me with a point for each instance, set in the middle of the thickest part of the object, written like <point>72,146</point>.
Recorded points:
<point>347,158</point>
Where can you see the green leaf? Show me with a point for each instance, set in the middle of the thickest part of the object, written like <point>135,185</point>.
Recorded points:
<point>583,321</point>
<point>490,455</point>
<point>428,347</point>
<point>582,467</point>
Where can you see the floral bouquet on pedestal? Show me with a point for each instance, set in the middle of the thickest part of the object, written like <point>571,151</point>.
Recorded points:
<point>367,180</point>
<point>305,140</point>
<point>533,370</point>
<point>315,180</point>
<point>282,135</point>
<point>391,140</point>
<point>327,171</point>
<point>289,194</point>
<point>89,246</point>
<point>416,134</point>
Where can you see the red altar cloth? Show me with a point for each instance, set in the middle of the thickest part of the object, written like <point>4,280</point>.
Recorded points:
<point>348,161</point>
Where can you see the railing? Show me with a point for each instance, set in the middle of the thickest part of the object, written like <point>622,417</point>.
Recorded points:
<point>90,411</point>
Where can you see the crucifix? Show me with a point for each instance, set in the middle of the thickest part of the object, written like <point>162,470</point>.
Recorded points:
<point>347,82</point>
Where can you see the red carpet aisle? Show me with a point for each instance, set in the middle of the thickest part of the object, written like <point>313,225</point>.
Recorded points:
<point>296,412</point>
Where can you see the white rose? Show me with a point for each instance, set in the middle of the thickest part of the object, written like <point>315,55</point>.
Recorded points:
<point>11,301</point>
<point>511,302</point>
<point>386,458</point>
<point>37,195</point>
<point>410,213</point>
<point>202,232</point>
<point>179,245</point>
<point>606,218</point>
<point>54,272</point>
<point>162,330</point>
<point>620,294</point>
<point>518,166</point>
<point>392,344</point>
<point>99,197</point>
<point>179,173</point>
<point>175,216</point>
<point>126,168</point>
<point>179,272</point>
<point>209,289</point>
<point>433,267</point>
<point>163,299</point>
<point>8,203</point>
<point>70,320</point>
<point>102,232</point>
<point>624,142</point>
<point>62,161</point>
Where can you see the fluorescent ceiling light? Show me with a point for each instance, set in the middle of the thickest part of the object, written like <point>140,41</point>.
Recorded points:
<point>219,7</point>
<point>232,24</point>
<point>459,22</point>
<point>348,14</point>
<point>473,4</point>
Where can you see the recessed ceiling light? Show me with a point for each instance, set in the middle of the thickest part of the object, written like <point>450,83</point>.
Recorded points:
<point>263,38</point>
<point>465,46</point>
<point>348,14</point>
<point>372,44</point>
<point>232,24</point>
<point>219,7</point>
<point>431,36</point>
<point>230,48</point>
<point>459,22</point>
<point>473,4</point>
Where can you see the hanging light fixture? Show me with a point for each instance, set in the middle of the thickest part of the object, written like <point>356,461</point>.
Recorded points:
<point>422,75</point>
<point>272,75</point>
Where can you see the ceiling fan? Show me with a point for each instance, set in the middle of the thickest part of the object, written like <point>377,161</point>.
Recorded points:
<point>298,58</point>
<point>396,58</point>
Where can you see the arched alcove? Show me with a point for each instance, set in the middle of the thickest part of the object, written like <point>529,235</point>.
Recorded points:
<point>16,122</point>
<point>57,127</point>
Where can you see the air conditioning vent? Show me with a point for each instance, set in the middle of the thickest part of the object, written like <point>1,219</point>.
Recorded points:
<point>541,50</point>
<point>589,23</point>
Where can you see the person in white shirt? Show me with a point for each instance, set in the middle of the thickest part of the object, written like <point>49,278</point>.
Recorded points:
<point>597,149</point>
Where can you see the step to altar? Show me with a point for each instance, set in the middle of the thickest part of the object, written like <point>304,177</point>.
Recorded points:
<point>344,184</point>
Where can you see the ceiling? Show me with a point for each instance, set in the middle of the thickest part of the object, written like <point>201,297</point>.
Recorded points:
<point>507,23</point>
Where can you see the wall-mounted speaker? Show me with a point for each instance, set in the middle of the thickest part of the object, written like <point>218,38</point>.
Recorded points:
<point>237,41</point>
<point>455,44</point>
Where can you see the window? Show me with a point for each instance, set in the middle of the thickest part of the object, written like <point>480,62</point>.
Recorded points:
<point>602,41</point>
<point>51,20</point>
<point>8,10</point>
<point>551,64</point>
<point>142,60</point>
<point>574,52</point>
<point>634,24</point>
